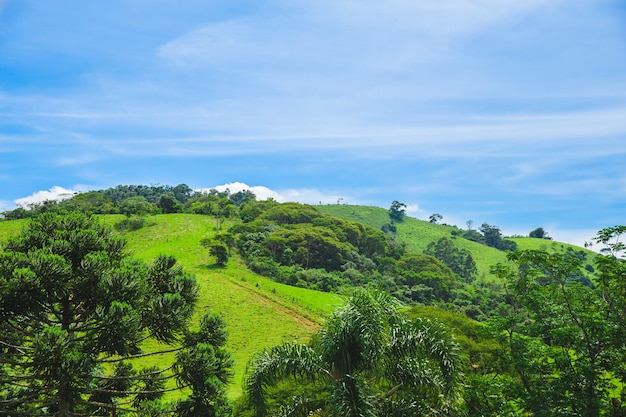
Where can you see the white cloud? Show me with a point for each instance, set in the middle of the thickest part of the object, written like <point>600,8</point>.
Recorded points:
<point>413,208</point>
<point>55,193</point>
<point>302,195</point>
<point>311,31</point>
<point>261,192</point>
<point>314,196</point>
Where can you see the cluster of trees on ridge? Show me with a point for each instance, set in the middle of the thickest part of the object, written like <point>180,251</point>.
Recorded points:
<point>552,345</point>
<point>142,200</point>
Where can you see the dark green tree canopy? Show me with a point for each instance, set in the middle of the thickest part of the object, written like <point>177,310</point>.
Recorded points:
<point>425,278</point>
<point>75,311</point>
<point>459,260</point>
<point>538,233</point>
<point>566,340</point>
<point>282,240</point>
<point>397,211</point>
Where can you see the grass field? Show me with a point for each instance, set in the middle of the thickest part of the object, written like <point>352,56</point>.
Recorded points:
<point>258,312</point>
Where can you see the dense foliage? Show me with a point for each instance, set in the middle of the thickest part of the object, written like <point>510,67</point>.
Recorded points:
<point>567,341</point>
<point>368,360</point>
<point>75,313</point>
<point>458,260</point>
<point>141,200</point>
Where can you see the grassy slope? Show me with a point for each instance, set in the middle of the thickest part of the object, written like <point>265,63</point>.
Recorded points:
<point>259,312</point>
<point>10,228</point>
<point>418,234</point>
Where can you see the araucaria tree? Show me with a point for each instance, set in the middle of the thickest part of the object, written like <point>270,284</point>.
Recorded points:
<point>76,314</point>
<point>367,360</point>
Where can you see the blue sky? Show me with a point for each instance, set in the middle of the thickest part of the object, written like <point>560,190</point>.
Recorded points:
<point>507,112</point>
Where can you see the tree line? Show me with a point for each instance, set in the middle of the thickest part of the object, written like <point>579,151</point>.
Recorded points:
<point>141,200</point>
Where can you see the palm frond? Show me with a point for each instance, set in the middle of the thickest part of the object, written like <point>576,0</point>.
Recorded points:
<point>270,366</point>
<point>354,337</point>
<point>440,347</point>
<point>353,397</point>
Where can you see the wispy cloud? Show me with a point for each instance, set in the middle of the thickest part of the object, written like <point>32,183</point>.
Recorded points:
<point>493,136</point>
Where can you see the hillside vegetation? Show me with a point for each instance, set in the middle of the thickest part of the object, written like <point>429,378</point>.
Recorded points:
<point>250,304</point>
<point>419,233</point>
<point>276,272</point>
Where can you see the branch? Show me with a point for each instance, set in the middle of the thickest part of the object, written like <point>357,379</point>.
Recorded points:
<point>142,376</point>
<point>141,355</point>
<point>18,348</point>
<point>126,393</point>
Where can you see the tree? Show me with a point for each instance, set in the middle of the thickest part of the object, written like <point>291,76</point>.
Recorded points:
<point>224,209</point>
<point>182,193</point>
<point>168,204</point>
<point>242,197</point>
<point>397,211</point>
<point>74,314</point>
<point>218,249</point>
<point>137,205</point>
<point>493,238</point>
<point>90,202</point>
<point>459,260</point>
<point>567,340</point>
<point>18,213</point>
<point>492,234</point>
<point>424,278</point>
<point>435,218</point>
<point>368,359</point>
<point>538,233</point>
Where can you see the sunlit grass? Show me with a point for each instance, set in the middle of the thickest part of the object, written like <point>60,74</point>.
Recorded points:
<point>258,312</point>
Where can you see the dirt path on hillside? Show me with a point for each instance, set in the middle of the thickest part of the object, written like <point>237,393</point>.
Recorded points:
<point>277,303</point>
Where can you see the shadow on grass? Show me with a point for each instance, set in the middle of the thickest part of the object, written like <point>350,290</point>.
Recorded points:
<point>214,267</point>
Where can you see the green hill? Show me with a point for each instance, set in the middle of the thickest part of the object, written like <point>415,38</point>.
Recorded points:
<point>417,234</point>
<point>260,312</point>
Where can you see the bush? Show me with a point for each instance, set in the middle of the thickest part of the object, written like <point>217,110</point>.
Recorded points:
<point>130,224</point>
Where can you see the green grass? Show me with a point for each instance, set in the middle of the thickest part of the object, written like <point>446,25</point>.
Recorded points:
<point>10,228</point>
<point>549,246</point>
<point>259,312</point>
